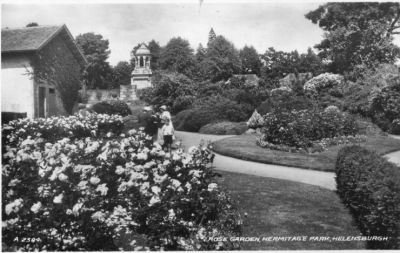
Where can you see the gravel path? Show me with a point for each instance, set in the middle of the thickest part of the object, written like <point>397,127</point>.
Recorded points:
<point>225,163</point>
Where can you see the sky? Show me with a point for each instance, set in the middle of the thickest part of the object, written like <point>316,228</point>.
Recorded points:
<point>281,25</point>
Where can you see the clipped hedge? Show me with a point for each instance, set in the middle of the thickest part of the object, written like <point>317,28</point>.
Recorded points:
<point>369,186</point>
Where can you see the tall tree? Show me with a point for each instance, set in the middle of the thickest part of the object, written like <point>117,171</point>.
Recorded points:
<point>200,53</point>
<point>155,49</point>
<point>211,36</point>
<point>357,34</point>
<point>177,56</point>
<point>222,60</point>
<point>122,73</point>
<point>311,62</point>
<point>95,48</point>
<point>251,62</point>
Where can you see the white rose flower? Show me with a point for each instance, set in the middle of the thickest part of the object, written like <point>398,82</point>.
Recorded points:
<point>103,189</point>
<point>144,187</point>
<point>175,183</point>
<point>100,216</point>
<point>192,150</point>
<point>195,173</point>
<point>82,185</point>
<point>36,207</point>
<point>58,199</point>
<point>119,170</point>
<point>77,207</point>
<point>14,206</point>
<point>175,157</point>
<point>62,177</point>
<point>156,190</point>
<point>212,187</point>
<point>171,214</point>
<point>159,179</point>
<point>188,186</point>
<point>187,160</point>
<point>154,200</point>
<point>142,156</point>
<point>14,182</point>
<point>94,180</point>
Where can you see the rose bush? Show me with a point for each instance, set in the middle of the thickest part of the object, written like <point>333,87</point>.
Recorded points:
<point>83,192</point>
<point>55,128</point>
<point>309,130</point>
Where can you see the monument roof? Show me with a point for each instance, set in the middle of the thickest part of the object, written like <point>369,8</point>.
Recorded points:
<point>142,50</point>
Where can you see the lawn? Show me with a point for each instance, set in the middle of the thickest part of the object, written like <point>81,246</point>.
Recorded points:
<point>277,207</point>
<point>245,147</point>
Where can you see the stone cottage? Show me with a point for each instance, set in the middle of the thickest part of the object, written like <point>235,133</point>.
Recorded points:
<point>41,71</point>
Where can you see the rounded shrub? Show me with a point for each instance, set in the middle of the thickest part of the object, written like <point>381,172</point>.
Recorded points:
<point>224,128</point>
<point>112,107</point>
<point>369,186</point>
<point>198,118</point>
<point>103,108</point>
<point>120,107</point>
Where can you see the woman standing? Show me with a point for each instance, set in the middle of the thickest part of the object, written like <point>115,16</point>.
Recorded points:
<point>164,116</point>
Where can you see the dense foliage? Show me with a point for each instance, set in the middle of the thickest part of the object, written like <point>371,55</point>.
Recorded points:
<point>285,99</point>
<point>177,56</point>
<point>96,51</point>
<point>221,60</point>
<point>279,63</point>
<point>112,107</point>
<point>82,190</point>
<point>121,74</point>
<point>251,63</point>
<point>325,89</point>
<point>385,107</point>
<point>310,130</point>
<point>357,35</point>
<point>174,90</point>
<point>369,186</point>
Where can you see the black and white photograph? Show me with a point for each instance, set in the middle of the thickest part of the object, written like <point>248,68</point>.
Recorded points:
<point>200,125</point>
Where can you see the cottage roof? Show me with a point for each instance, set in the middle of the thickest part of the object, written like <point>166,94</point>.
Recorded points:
<point>31,39</point>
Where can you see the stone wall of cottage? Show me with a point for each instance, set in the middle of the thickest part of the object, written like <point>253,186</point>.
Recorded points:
<point>57,70</point>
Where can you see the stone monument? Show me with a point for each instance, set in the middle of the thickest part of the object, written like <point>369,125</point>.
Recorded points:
<point>141,75</point>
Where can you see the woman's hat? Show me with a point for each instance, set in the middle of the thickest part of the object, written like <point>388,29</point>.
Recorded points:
<point>147,108</point>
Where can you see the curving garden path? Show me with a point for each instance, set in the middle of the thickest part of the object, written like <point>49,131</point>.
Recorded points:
<point>225,163</point>
<point>394,157</point>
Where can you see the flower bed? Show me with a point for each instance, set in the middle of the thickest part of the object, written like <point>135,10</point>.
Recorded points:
<point>82,193</point>
<point>308,130</point>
